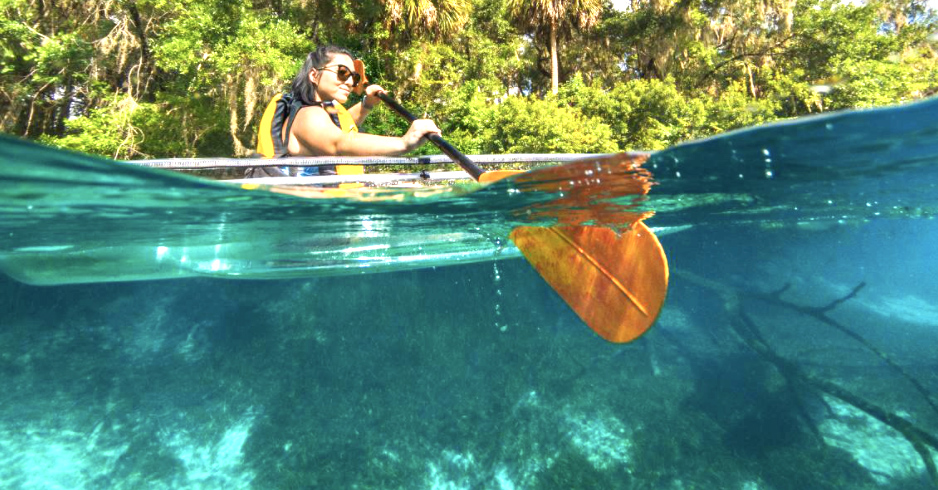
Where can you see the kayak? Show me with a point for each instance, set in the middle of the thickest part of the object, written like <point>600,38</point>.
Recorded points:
<point>72,218</point>
<point>69,218</point>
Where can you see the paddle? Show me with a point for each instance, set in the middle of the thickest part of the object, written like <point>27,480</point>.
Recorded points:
<point>615,283</point>
<point>474,171</point>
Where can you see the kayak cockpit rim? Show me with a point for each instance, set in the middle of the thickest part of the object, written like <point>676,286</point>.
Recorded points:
<point>221,163</point>
<point>371,177</point>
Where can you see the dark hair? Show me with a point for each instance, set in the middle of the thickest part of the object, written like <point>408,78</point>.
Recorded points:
<point>305,90</point>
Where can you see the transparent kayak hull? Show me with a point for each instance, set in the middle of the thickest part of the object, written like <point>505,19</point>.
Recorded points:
<point>68,218</point>
<point>71,218</point>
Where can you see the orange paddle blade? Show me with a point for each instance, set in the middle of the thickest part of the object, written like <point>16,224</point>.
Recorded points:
<point>494,175</point>
<point>615,283</point>
<point>359,66</point>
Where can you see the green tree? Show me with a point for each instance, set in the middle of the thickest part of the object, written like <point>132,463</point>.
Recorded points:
<point>846,56</point>
<point>531,125</point>
<point>61,59</point>
<point>427,17</point>
<point>139,78</point>
<point>557,18</point>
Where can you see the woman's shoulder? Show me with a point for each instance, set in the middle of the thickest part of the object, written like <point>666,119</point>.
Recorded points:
<point>312,128</point>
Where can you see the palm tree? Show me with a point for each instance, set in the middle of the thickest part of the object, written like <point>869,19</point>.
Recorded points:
<point>436,18</point>
<point>411,23</point>
<point>558,17</point>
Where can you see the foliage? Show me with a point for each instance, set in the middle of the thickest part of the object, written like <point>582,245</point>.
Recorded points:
<point>531,125</point>
<point>863,60</point>
<point>106,131</point>
<point>654,114</point>
<point>156,78</point>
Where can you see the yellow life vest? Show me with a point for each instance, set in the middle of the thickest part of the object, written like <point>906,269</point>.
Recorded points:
<point>281,111</point>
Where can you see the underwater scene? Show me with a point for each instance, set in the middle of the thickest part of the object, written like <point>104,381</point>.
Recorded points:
<point>164,332</point>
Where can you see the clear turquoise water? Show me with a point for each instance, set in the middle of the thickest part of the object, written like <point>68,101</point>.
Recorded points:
<point>476,375</point>
<point>70,218</point>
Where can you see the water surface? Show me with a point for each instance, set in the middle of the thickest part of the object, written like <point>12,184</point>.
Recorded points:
<point>476,375</point>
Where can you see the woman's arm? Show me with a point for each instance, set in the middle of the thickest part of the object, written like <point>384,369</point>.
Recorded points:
<point>360,111</point>
<point>315,134</point>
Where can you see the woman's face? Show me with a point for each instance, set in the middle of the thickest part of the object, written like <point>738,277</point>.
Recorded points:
<point>329,78</point>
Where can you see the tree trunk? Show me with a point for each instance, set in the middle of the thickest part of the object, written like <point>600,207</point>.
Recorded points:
<point>231,87</point>
<point>140,31</point>
<point>554,69</point>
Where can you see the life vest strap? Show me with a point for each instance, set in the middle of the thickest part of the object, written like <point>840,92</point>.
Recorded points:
<point>295,107</point>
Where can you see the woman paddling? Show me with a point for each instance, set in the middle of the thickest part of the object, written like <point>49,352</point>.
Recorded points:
<point>311,120</point>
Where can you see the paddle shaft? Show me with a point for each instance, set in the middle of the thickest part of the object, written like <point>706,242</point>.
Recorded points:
<point>457,156</point>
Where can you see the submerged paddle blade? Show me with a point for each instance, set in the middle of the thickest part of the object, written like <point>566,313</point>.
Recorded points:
<point>615,283</point>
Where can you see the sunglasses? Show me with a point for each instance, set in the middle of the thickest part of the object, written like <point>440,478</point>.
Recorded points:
<point>342,73</point>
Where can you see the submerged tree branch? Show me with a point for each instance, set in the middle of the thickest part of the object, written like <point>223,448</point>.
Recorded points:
<point>747,331</point>
<point>820,314</point>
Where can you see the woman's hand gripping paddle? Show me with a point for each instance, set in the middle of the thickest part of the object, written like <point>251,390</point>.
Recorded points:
<point>615,283</point>
<point>474,171</point>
